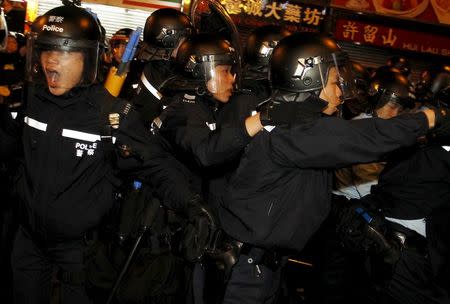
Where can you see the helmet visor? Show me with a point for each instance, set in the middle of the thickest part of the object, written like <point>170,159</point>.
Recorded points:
<point>60,63</point>
<point>220,75</point>
<point>345,77</point>
<point>118,47</point>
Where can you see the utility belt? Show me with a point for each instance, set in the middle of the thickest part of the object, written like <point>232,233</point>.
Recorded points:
<point>43,242</point>
<point>154,243</point>
<point>228,251</point>
<point>409,239</point>
<point>259,256</point>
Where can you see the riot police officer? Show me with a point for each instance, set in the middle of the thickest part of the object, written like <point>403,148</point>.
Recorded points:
<point>401,63</point>
<point>413,195</point>
<point>280,193</point>
<point>412,201</point>
<point>118,43</point>
<point>432,87</point>
<point>75,139</point>
<point>259,48</point>
<point>389,94</point>
<point>206,122</point>
<point>164,31</point>
<point>343,277</point>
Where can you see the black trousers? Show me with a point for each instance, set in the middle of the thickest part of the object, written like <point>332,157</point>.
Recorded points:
<point>413,282</point>
<point>252,283</point>
<point>34,264</point>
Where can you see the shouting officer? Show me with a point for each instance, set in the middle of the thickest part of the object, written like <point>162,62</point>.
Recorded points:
<point>68,174</point>
<point>280,193</point>
<point>207,123</point>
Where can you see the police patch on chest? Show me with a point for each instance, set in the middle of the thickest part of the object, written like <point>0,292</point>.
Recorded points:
<point>189,98</point>
<point>84,148</point>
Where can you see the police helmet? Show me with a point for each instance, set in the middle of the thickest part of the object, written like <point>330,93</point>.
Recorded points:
<point>198,56</point>
<point>401,63</point>
<point>118,43</point>
<point>166,27</point>
<point>301,63</point>
<point>65,29</point>
<point>390,86</point>
<point>260,45</point>
<point>122,36</point>
<point>434,85</point>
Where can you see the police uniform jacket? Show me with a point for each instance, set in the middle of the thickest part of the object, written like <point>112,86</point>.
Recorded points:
<point>415,184</point>
<point>207,135</point>
<point>149,97</point>
<point>281,191</point>
<point>68,175</point>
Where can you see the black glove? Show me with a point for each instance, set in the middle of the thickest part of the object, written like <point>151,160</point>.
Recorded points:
<point>199,231</point>
<point>442,124</point>
<point>277,113</point>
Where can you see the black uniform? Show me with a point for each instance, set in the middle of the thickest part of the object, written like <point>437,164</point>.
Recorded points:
<point>148,100</point>
<point>257,84</point>
<point>207,134</point>
<point>12,67</point>
<point>281,191</point>
<point>67,181</point>
<point>208,137</point>
<point>415,185</point>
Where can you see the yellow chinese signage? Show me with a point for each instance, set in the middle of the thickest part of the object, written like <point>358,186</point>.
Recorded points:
<point>285,12</point>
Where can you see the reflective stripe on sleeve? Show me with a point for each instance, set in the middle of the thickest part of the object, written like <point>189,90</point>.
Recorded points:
<point>80,135</point>
<point>83,135</point>
<point>35,124</point>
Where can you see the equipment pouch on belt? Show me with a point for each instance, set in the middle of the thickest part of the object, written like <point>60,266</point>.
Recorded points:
<point>155,274</point>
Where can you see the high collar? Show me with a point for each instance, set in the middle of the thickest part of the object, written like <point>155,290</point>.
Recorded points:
<point>73,96</point>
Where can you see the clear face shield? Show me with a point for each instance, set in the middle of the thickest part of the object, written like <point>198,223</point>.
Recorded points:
<point>338,85</point>
<point>118,46</point>
<point>60,63</point>
<point>220,72</point>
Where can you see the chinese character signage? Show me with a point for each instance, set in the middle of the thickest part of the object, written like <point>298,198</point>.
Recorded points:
<point>386,36</point>
<point>432,11</point>
<point>255,13</point>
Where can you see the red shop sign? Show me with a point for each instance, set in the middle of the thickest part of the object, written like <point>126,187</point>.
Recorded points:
<point>391,37</point>
<point>431,11</point>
